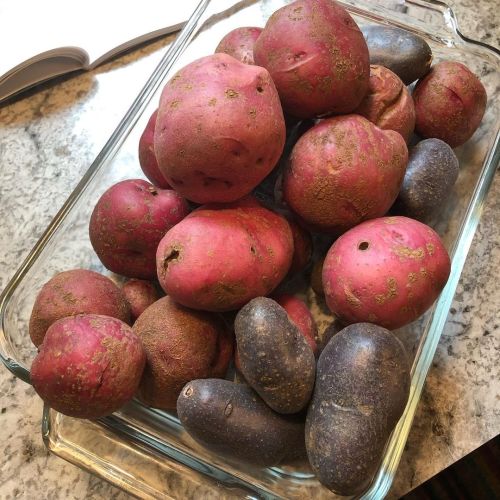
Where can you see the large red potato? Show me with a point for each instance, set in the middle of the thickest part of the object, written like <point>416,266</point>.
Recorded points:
<point>181,345</point>
<point>239,43</point>
<point>342,171</point>
<point>73,292</point>
<point>449,102</point>
<point>386,271</point>
<point>88,366</point>
<point>220,129</point>
<point>317,57</point>
<point>222,256</point>
<point>128,222</point>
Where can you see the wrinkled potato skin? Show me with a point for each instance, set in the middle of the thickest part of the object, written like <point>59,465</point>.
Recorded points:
<point>449,103</point>
<point>342,171</point>
<point>404,53</point>
<point>386,271</point>
<point>274,356</point>
<point>220,129</point>
<point>317,57</point>
<point>431,173</point>
<point>230,419</point>
<point>388,104</point>
<point>77,291</point>
<point>361,391</point>
<point>239,44</point>
<point>181,345</point>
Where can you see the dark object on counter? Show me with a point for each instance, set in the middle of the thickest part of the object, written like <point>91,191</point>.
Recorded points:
<point>404,53</point>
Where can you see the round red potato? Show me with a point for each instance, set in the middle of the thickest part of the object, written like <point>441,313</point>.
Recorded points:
<point>388,104</point>
<point>239,43</point>
<point>147,157</point>
<point>450,103</point>
<point>342,171</point>
<point>317,57</point>
<point>128,222</point>
<point>140,294</point>
<point>88,366</point>
<point>73,292</point>
<point>181,345</point>
<point>220,129</point>
<point>302,247</point>
<point>386,271</point>
<point>222,256</point>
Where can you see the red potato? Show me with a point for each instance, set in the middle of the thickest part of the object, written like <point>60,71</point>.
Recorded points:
<point>342,171</point>
<point>128,222</point>
<point>388,103</point>
<point>140,294</point>
<point>239,43</point>
<point>73,292</point>
<point>181,345</point>
<point>147,157</point>
<point>302,247</point>
<point>317,57</point>
<point>222,256</point>
<point>449,102</point>
<point>88,365</point>
<point>220,129</point>
<point>386,271</point>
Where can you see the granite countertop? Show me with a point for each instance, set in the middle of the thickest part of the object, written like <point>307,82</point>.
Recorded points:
<point>55,132</point>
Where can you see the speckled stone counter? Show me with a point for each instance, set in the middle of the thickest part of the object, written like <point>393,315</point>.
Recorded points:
<point>48,139</point>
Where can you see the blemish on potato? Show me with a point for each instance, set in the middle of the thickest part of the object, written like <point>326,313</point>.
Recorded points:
<point>231,94</point>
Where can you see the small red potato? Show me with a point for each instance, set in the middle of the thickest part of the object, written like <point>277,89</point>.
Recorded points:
<point>140,294</point>
<point>181,345</point>
<point>386,271</point>
<point>449,102</point>
<point>317,57</point>
<point>73,292</point>
<point>88,366</point>
<point>128,222</point>
<point>302,247</point>
<point>239,43</point>
<point>388,104</point>
<point>220,129</point>
<point>147,157</point>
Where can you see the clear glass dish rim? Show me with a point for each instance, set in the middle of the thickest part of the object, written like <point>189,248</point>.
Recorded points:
<point>428,344</point>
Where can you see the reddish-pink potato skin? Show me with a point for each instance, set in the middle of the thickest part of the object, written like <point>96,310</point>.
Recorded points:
<point>239,43</point>
<point>128,222</point>
<point>73,292</point>
<point>388,103</point>
<point>449,102</point>
<point>317,57</point>
<point>222,256</point>
<point>302,247</point>
<point>181,345</point>
<point>88,366</point>
<point>300,315</point>
<point>140,294</point>
<point>147,157</point>
<point>386,271</point>
<point>220,129</point>
<point>342,171</point>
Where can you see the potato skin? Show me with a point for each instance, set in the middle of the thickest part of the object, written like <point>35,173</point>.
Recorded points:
<point>324,67</point>
<point>342,171</point>
<point>386,271</point>
<point>180,345</point>
<point>128,222</point>
<point>430,175</point>
<point>302,246</point>
<point>361,391</point>
<point>239,43</point>
<point>88,365</point>
<point>230,419</point>
<point>449,103</point>
<point>220,129</point>
<point>388,104</point>
<point>404,53</point>
<point>73,292</point>
<point>140,294</point>
<point>275,357</point>
<point>222,256</point>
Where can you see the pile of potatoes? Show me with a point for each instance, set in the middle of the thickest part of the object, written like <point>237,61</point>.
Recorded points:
<point>206,256</point>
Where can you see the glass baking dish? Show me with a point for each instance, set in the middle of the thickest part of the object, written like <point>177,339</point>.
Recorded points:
<point>146,452</point>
